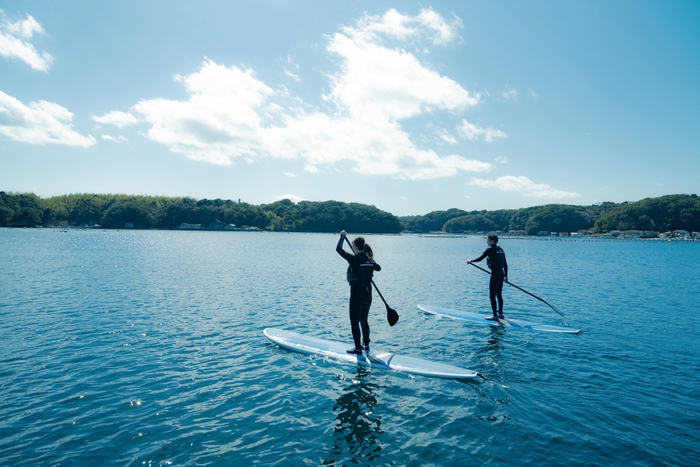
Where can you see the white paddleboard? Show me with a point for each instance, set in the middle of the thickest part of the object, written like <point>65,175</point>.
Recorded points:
<point>376,359</point>
<point>481,319</point>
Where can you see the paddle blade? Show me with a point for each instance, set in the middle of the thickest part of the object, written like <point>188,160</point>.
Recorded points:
<point>392,316</point>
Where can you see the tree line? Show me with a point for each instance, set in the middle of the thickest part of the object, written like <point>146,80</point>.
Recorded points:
<point>665,213</point>
<point>146,212</point>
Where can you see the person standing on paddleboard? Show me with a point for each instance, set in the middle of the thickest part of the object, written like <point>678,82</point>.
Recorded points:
<point>496,260</point>
<point>361,267</point>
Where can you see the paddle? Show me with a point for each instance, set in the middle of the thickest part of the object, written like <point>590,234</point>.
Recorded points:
<point>522,290</point>
<point>391,315</point>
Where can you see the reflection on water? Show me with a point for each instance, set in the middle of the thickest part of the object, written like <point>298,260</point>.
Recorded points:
<point>357,430</point>
<point>494,345</point>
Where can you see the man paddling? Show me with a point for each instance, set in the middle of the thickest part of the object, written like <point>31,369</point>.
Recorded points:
<point>496,261</point>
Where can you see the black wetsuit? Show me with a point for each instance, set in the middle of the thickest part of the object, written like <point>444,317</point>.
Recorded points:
<point>359,276</point>
<point>499,269</point>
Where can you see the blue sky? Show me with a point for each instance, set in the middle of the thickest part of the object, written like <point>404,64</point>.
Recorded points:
<point>411,107</point>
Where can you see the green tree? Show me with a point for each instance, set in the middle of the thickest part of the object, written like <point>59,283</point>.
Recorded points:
<point>671,212</point>
<point>136,210</point>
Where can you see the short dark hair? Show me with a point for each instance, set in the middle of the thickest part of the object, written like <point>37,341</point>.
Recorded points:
<point>493,237</point>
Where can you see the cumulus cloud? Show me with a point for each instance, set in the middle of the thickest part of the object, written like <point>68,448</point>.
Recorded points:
<point>14,42</point>
<point>392,24</point>
<point>39,123</point>
<point>290,174</point>
<point>473,132</point>
<point>116,118</point>
<point>525,186</point>
<point>219,121</point>
<point>231,113</point>
<point>502,160</point>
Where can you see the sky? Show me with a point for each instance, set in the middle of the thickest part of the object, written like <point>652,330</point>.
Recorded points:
<point>410,107</point>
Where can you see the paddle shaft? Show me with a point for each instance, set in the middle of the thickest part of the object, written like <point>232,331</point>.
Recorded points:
<point>522,290</point>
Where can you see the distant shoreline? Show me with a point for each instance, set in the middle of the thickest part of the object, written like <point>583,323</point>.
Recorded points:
<point>502,236</point>
<point>668,216</point>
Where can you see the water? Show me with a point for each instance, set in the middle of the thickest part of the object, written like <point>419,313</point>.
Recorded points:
<point>146,348</point>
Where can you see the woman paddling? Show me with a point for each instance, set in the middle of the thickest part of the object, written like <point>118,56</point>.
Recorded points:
<point>499,274</point>
<point>361,267</point>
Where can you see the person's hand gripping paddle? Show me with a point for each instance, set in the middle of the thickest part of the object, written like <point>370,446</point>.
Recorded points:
<point>391,315</point>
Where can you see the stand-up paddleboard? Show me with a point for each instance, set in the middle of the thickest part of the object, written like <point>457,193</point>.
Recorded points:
<point>314,346</point>
<point>481,319</point>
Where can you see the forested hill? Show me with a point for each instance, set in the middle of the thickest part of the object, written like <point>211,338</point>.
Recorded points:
<point>672,212</point>
<point>666,213</point>
<point>115,211</point>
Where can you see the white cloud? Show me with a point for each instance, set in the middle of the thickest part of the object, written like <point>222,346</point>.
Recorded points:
<point>291,64</point>
<point>39,123</point>
<point>14,43</point>
<point>502,160</point>
<point>289,174</point>
<point>525,186</point>
<point>231,113</point>
<point>378,82</point>
<point>472,132</point>
<point>289,196</point>
<point>218,122</point>
<point>448,138</point>
<point>395,25</point>
<point>509,93</point>
<point>116,118</point>
<point>295,77</point>
<point>119,139</point>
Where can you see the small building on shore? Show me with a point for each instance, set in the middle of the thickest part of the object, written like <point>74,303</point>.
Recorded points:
<point>218,225</point>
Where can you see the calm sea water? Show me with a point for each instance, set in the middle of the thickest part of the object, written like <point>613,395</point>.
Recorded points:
<point>146,348</point>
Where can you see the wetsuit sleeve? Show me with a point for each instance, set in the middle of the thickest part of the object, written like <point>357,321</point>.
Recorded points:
<point>377,267</point>
<point>505,265</point>
<point>348,256</point>
<point>486,253</point>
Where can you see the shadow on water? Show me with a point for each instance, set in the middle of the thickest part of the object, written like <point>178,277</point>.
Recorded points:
<point>357,429</point>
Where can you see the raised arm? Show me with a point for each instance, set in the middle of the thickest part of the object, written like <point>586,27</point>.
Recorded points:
<point>339,248</point>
